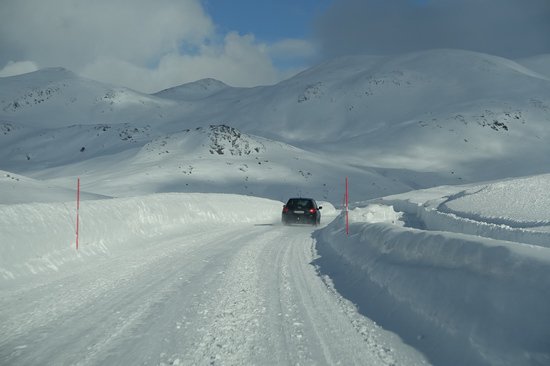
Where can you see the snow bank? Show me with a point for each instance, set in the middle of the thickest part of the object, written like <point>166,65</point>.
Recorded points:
<point>515,202</point>
<point>461,299</point>
<point>40,237</point>
<point>15,188</point>
<point>328,209</point>
<point>376,213</point>
<point>514,210</point>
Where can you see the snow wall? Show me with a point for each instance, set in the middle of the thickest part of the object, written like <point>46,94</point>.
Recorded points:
<point>41,237</point>
<point>436,219</point>
<point>461,299</point>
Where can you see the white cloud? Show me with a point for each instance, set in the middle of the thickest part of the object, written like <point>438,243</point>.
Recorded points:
<point>143,44</point>
<point>237,60</point>
<point>293,48</point>
<point>17,68</point>
<point>76,32</point>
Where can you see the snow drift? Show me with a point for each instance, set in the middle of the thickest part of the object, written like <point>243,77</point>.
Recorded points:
<point>40,237</point>
<point>462,299</point>
<point>513,210</point>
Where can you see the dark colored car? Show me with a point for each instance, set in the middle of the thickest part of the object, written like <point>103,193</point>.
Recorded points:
<point>301,211</point>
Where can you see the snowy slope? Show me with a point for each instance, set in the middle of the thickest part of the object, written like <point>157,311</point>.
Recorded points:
<point>422,119</point>
<point>28,148</point>
<point>540,64</point>
<point>217,158</point>
<point>56,97</point>
<point>15,189</point>
<point>442,110</point>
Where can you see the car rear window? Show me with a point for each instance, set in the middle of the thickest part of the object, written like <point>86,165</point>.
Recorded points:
<point>300,203</point>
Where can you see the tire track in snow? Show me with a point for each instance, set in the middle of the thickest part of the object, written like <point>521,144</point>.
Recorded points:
<point>335,330</point>
<point>272,308</point>
<point>226,296</point>
<point>92,315</point>
<point>235,317</point>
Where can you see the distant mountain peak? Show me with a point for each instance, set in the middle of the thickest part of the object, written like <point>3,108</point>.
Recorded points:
<point>51,72</point>
<point>193,91</point>
<point>209,82</point>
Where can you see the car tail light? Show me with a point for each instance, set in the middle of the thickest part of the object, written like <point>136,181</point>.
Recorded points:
<point>285,209</point>
<point>311,210</point>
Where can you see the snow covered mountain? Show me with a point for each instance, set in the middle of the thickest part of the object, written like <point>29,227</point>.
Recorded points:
<point>193,91</point>
<point>57,97</point>
<point>121,161</point>
<point>540,64</point>
<point>398,123</point>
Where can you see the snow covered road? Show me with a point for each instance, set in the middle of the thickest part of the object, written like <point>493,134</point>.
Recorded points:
<point>223,295</point>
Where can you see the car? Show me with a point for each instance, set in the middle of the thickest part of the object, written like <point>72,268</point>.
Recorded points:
<point>301,211</point>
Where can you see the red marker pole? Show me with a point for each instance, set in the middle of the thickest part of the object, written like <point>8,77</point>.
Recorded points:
<point>347,207</point>
<point>77,208</point>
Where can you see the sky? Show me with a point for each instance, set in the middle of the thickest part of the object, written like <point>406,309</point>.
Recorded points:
<point>507,28</point>
<point>150,45</point>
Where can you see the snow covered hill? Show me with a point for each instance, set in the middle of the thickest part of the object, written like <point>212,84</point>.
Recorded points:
<point>398,123</point>
<point>540,64</point>
<point>221,159</point>
<point>57,97</point>
<point>193,91</point>
<point>441,111</point>
<point>15,189</point>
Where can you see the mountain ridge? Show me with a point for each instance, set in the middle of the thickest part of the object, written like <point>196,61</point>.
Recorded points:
<point>459,116</point>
